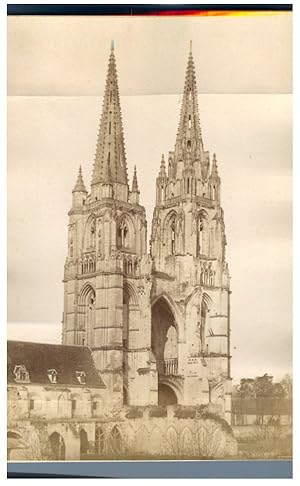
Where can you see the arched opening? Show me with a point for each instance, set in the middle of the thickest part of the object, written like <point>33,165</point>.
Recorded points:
<point>115,440</point>
<point>166,396</point>
<point>164,338</point>
<point>86,315</point>
<point>84,443</point>
<point>99,441</point>
<point>58,447</point>
<point>123,235</point>
<point>173,236</point>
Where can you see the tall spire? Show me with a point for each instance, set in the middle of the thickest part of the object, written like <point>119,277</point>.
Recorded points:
<point>162,170</point>
<point>79,186</point>
<point>214,169</point>
<point>189,136</point>
<point>110,158</point>
<point>135,187</point>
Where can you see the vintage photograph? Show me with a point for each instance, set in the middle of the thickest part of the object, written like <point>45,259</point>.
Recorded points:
<point>149,237</point>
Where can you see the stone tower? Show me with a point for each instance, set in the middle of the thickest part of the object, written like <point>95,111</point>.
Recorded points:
<point>158,324</point>
<point>107,278</point>
<point>190,332</point>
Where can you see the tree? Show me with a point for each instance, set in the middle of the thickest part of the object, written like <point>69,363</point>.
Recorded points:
<point>287,385</point>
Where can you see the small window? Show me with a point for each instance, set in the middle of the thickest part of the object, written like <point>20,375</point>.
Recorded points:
<point>52,375</point>
<point>31,404</point>
<point>81,377</point>
<point>189,143</point>
<point>95,405</point>
<point>73,405</point>
<point>21,374</point>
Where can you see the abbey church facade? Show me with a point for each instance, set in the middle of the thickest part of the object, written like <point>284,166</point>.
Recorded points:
<point>158,322</point>
<point>155,318</point>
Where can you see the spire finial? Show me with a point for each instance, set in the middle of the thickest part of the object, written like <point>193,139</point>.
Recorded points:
<point>135,187</point>
<point>112,45</point>
<point>79,186</point>
<point>191,46</point>
<point>162,172</point>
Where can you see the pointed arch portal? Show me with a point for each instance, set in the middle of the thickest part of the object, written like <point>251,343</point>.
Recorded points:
<point>164,338</point>
<point>58,447</point>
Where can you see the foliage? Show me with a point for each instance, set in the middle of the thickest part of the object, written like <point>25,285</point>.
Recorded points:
<point>134,412</point>
<point>157,412</point>
<point>185,412</point>
<point>39,448</point>
<point>266,442</point>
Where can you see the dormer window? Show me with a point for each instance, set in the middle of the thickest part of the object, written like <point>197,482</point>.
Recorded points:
<point>52,375</point>
<point>21,374</point>
<point>81,377</point>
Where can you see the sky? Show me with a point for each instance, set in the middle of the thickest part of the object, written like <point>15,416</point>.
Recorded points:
<point>56,78</point>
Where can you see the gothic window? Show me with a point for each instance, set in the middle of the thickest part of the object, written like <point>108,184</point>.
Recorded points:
<point>109,129</point>
<point>99,440</point>
<point>122,236</point>
<point>52,375</point>
<point>86,315</point>
<point>115,439</point>
<point>110,97</point>
<point>200,236</point>
<point>173,236</point>
<point>21,374</point>
<point>125,236</point>
<point>190,121</point>
<point>189,144</point>
<point>119,237</point>
<point>93,230</point>
<point>31,404</point>
<point>91,266</point>
<point>206,277</point>
<point>71,248</point>
<point>188,185</point>
<point>108,158</point>
<point>190,95</point>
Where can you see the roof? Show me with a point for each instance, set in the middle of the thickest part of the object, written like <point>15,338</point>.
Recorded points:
<point>38,358</point>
